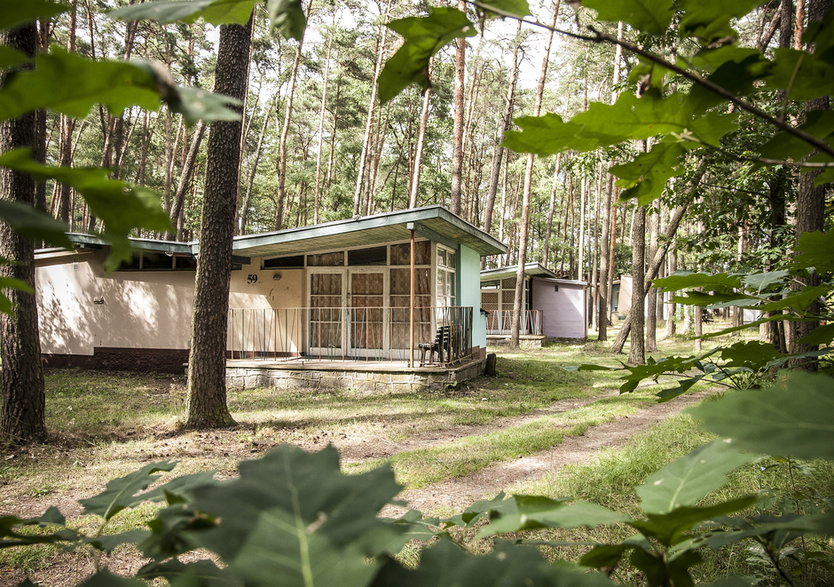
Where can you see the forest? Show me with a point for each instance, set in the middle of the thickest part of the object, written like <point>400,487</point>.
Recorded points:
<point>686,144</point>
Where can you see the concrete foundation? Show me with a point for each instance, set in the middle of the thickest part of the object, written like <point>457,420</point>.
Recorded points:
<point>363,378</point>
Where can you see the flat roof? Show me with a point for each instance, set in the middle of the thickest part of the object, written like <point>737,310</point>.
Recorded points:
<point>533,269</point>
<point>432,222</point>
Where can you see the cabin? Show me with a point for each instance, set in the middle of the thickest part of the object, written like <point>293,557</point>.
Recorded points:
<point>552,307</point>
<point>377,303</point>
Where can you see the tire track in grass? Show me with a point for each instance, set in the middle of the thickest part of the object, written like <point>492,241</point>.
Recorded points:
<point>456,493</point>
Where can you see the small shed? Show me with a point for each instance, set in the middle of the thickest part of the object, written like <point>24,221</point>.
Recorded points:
<point>553,307</point>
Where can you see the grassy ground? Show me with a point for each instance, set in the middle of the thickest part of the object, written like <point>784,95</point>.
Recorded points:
<point>105,425</point>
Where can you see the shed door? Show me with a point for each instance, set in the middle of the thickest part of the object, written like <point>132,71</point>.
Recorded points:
<point>327,303</point>
<point>366,314</point>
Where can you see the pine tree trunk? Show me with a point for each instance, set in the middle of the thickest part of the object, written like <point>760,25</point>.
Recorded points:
<point>358,193</point>
<point>283,142</point>
<point>207,362</point>
<point>457,118</point>
<point>671,319</point>
<point>177,216</point>
<point>320,138</point>
<point>22,417</point>
<point>651,294</point>
<point>418,151</point>
<point>637,354</point>
<point>551,209</point>
<point>509,107</point>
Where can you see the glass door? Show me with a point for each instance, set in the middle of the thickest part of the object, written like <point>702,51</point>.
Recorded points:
<point>327,313</point>
<point>366,313</point>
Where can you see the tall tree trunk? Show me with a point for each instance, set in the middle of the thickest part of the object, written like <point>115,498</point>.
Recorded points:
<point>61,207</point>
<point>500,151</point>
<point>637,354</point>
<point>243,209</point>
<point>178,205</point>
<point>207,362</point>
<point>654,265</point>
<point>551,209</point>
<point>320,138</point>
<point>358,193</point>
<point>524,223</point>
<point>651,293</point>
<point>457,119</point>
<point>283,142</point>
<point>671,324</point>
<point>810,212</point>
<point>22,417</point>
<point>418,151</point>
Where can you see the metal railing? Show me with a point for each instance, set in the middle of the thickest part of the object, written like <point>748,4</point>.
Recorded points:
<point>501,322</point>
<point>442,334</point>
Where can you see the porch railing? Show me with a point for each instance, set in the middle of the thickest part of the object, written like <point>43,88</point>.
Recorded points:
<point>501,322</point>
<point>349,333</point>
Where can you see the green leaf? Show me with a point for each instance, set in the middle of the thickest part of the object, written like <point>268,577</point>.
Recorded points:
<point>541,512</point>
<point>176,490</point>
<point>818,123</point>
<point>424,36</point>
<point>104,578</point>
<point>70,84</point>
<point>119,205</point>
<point>814,250</point>
<point>293,518</point>
<point>446,564</point>
<point>670,528</point>
<point>288,17</point>
<point>687,480</point>
<point>516,8</point>
<point>108,542</point>
<point>710,19</point>
<point>604,555</point>
<point>752,354</point>
<point>196,104</point>
<point>803,75</point>
<point>10,57</point>
<point>646,175</point>
<point>14,14</point>
<point>122,492</point>
<point>821,335</point>
<point>214,12</point>
<point>762,281</point>
<point>33,223</point>
<point>707,281</point>
<point>601,125</point>
<point>202,573</point>
<point>645,15</point>
<point>794,418</point>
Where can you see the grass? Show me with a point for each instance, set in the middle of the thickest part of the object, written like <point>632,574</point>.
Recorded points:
<point>106,425</point>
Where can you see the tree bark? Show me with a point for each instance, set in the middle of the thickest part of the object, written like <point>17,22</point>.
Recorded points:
<point>177,216</point>
<point>207,362</point>
<point>654,265</point>
<point>637,354</point>
<point>418,151</point>
<point>358,192</point>
<point>22,418</point>
<point>495,174</point>
<point>810,214</point>
<point>281,196</point>
<point>320,139</point>
<point>651,293</point>
<point>524,223</point>
<point>457,119</point>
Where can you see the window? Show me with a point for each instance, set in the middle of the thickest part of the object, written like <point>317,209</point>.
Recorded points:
<point>335,259</point>
<point>401,254</point>
<point>284,262</point>
<point>445,285</point>
<point>370,256</point>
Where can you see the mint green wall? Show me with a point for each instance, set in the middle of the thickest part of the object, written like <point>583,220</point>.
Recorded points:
<point>469,291</point>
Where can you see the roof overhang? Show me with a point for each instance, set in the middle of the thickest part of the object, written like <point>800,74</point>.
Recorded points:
<point>530,270</point>
<point>433,222</point>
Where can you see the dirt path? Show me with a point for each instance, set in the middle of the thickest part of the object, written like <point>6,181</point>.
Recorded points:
<point>353,449</point>
<point>457,494</point>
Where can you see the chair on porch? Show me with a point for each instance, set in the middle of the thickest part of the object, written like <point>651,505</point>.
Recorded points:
<point>440,346</point>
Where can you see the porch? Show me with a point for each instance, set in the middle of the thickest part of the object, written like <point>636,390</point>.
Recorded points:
<point>368,349</point>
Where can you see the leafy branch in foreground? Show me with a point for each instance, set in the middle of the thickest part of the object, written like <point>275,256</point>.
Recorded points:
<point>292,517</point>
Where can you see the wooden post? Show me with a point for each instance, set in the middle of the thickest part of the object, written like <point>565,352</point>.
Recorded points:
<point>411,304</point>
